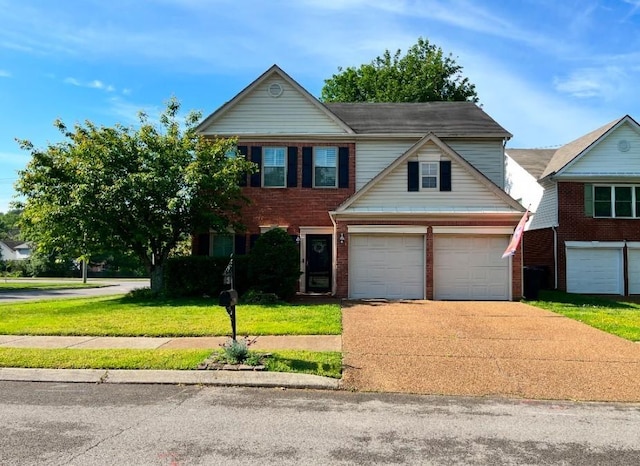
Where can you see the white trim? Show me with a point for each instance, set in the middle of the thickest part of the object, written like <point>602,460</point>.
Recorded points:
<point>633,244</point>
<point>595,244</point>
<point>316,231</point>
<point>472,230</point>
<point>398,229</point>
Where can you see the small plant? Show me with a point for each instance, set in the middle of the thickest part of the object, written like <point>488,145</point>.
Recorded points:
<point>235,351</point>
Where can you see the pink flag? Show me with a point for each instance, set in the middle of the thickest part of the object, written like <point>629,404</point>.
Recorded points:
<point>517,235</point>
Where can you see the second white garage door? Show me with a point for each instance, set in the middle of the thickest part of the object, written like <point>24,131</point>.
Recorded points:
<point>594,270</point>
<point>386,266</point>
<point>471,268</point>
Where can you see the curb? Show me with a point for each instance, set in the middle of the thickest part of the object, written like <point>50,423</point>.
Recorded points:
<point>213,378</point>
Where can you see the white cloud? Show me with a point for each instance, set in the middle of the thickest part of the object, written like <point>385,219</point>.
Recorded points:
<point>4,74</point>
<point>604,83</point>
<point>95,84</point>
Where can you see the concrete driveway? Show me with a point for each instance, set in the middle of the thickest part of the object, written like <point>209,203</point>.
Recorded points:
<point>484,348</point>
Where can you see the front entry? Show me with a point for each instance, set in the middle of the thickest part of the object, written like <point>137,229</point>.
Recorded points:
<point>318,265</point>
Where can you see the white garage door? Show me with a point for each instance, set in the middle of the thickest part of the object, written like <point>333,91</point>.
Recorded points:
<point>386,266</point>
<point>594,271</point>
<point>633,267</point>
<point>471,268</point>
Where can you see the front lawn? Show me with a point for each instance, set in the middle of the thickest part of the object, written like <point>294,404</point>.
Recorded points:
<point>328,364</point>
<point>615,317</point>
<point>122,316</point>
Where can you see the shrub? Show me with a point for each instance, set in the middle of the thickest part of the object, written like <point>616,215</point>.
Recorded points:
<point>258,297</point>
<point>195,276</point>
<point>274,264</point>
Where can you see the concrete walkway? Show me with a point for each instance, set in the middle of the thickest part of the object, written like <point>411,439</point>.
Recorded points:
<point>484,349</point>
<point>267,342</point>
<point>194,377</point>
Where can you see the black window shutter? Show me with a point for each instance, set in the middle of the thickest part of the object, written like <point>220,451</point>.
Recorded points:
<point>445,175</point>
<point>292,167</point>
<point>252,241</point>
<point>256,157</point>
<point>343,167</point>
<point>588,200</point>
<point>413,176</point>
<point>203,244</point>
<point>243,178</point>
<point>307,167</point>
<point>240,246</point>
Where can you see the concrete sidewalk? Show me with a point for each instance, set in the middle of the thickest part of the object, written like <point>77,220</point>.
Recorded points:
<point>196,377</point>
<point>267,342</point>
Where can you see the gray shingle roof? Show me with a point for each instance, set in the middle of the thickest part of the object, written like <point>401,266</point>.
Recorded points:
<point>532,160</point>
<point>442,118</point>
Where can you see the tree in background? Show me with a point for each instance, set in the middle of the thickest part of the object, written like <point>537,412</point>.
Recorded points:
<point>9,228</point>
<point>424,74</point>
<point>124,189</point>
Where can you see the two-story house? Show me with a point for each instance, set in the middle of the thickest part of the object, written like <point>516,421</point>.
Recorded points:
<point>586,198</point>
<point>386,200</point>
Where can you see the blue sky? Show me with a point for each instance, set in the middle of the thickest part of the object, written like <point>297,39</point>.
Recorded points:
<point>547,70</point>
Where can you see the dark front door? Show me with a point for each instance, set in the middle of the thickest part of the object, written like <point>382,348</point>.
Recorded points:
<point>318,269</point>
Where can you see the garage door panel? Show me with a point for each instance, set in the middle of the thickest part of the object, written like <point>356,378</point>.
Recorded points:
<point>633,267</point>
<point>386,266</point>
<point>594,270</point>
<point>471,268</point>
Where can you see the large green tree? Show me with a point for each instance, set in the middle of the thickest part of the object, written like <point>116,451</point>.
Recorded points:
<point>424,74</point>
<point>136,189</point>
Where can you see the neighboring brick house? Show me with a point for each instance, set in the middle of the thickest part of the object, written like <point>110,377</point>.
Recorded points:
<point>385,200</point>
<point>586,229</point>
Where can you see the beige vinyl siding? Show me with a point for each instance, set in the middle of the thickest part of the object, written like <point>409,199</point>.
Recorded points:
<point>485,156</point>
<point>374,156</point>
<point>259,113</point>
<point>467,192</point>
<point>605,158</point>
<point>546,215</point>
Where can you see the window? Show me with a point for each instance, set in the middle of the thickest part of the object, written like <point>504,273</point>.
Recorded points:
<point>221,245</point>
<point>274,167</point>
<point>429,175</point>
<point>325,167</point>
<point>616,201</point>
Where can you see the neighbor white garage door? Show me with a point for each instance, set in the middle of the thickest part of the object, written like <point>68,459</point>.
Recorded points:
<point>633,267</point>
<point>594,270</point>
<point>471,268</point>
<point>386,266</point>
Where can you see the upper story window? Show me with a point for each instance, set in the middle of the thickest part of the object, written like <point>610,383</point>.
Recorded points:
<point>325,167</point>
<point>616,201</point>
<point>274,173</point>
<point>429,175</point>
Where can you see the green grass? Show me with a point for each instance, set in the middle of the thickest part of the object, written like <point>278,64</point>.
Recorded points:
<point>6,287</point>
<point>121,316</point>
<point>615,317</point>
<point>328,364</point>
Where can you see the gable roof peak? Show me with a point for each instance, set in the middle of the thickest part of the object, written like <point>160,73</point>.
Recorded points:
<point>569,152</point>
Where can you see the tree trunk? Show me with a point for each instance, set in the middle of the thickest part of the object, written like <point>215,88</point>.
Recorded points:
<point>157,278</point>
<point>84,271</point>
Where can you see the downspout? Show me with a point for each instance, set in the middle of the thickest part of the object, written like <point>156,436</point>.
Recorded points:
<point>334,284</point>
<point>555,257</point>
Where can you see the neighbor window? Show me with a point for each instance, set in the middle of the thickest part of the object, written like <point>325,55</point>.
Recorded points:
<point>616,201</point>
<point>274,167</point>
<point>429,175</point>
<point>325,167</point>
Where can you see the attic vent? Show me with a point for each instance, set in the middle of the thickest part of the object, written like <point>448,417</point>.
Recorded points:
<point>275,90</point>
<point>623,145</point>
